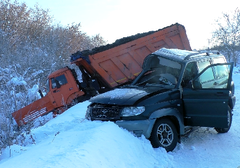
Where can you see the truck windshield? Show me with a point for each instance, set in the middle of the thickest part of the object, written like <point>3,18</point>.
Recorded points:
<point>166,72</point>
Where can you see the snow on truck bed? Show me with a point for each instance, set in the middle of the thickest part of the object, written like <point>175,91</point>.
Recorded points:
<point>86,53</point>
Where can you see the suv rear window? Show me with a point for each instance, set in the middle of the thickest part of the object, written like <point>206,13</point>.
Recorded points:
<point>218,60</point>
<point>202,65</point>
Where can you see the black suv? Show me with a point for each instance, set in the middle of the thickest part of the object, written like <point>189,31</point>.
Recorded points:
<point>176,88</point>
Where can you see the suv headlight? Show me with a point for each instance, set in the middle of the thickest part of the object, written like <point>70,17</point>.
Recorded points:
<point>132,111</point>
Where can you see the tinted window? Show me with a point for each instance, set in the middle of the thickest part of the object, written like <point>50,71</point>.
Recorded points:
<point>206,79</point>
<point>222,75</point>
<point>190,72</point>
<point>221,71</point>
<point>60,80</point>
<point>207,76</point>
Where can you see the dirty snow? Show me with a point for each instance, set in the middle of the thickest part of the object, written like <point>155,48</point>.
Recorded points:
<point>69,141</point>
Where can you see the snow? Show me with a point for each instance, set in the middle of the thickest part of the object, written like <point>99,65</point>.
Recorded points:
<point>37,73</point>
<point>33,93</point>
<point>177,53</point>
<point>69,140</point>
<point>120,93</point>
<point>16,81</point>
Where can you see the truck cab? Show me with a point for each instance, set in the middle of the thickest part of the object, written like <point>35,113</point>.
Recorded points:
<point>63,87</point>
<point>176,89</point>
<point>61,92</point>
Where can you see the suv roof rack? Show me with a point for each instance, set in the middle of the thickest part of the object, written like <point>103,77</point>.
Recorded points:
<point>201,52</point>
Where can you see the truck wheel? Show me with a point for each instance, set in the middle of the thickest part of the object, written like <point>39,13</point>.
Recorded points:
<point>224,130</point>
<point>73,102</point>
<point>164,134</point>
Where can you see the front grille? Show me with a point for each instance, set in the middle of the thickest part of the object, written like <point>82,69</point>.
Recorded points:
<point>105,112</point>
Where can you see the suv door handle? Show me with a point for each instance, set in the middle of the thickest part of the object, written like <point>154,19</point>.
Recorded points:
<point>220,94</point>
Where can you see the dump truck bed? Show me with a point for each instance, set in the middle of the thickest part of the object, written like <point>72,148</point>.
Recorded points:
<point>121,62</point>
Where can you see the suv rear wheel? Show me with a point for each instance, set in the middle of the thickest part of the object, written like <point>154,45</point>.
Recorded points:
<point>224,130</point>
<point>164,134</point>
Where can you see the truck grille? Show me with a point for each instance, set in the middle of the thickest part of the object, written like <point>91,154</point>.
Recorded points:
<point>105,112</point>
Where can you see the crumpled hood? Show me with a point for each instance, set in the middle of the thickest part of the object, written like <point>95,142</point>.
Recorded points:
<point>124,96</point>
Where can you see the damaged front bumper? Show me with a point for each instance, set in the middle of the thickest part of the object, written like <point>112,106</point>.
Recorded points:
<point>138,127</point>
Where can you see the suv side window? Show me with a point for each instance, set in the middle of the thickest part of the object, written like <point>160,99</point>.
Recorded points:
<point>221,71</point>
<point>207,77</point>
<point>203,64</point>
<point>206,80</point>
<point>190,72</point>
<point>221,76</point>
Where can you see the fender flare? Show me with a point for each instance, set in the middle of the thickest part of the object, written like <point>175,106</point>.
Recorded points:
<point>166,112</point>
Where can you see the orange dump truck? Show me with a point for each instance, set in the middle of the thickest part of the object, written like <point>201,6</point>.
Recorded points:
<point>103,69</point>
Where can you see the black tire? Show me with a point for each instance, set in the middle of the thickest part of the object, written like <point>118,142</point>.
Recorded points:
<point>164,134</point>
<point>224,130</point>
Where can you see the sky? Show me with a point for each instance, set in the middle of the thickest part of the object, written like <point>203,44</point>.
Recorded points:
<point>114,19</point>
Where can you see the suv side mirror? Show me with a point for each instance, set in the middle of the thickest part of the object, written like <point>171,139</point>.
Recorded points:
<point>41,94</point>
<point>196,84</point>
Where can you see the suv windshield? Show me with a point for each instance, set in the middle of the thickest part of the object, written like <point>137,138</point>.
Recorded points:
<point>161,72</point>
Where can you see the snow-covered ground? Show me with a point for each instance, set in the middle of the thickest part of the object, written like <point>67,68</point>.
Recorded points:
<point>71,141</point>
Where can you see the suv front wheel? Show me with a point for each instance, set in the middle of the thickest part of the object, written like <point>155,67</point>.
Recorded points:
<point>164,134</point>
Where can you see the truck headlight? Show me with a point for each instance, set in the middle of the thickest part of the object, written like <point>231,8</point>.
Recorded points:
<point>132,111</point>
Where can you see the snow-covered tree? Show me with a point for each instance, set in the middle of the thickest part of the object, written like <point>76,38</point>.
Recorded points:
<point>31,48</point>
<point>227,36</point>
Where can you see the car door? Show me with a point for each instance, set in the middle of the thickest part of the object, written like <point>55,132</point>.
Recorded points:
<point>206,100</point>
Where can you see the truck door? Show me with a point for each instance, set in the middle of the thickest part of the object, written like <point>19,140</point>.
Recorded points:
<point>206,100</point>
<point>61,89</point>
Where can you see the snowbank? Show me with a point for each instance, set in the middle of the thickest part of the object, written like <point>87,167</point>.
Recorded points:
<point>71,141</point>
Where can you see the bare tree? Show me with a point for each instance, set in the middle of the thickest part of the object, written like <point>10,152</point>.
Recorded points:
<point>97,41</point>
<point>227,36</point>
